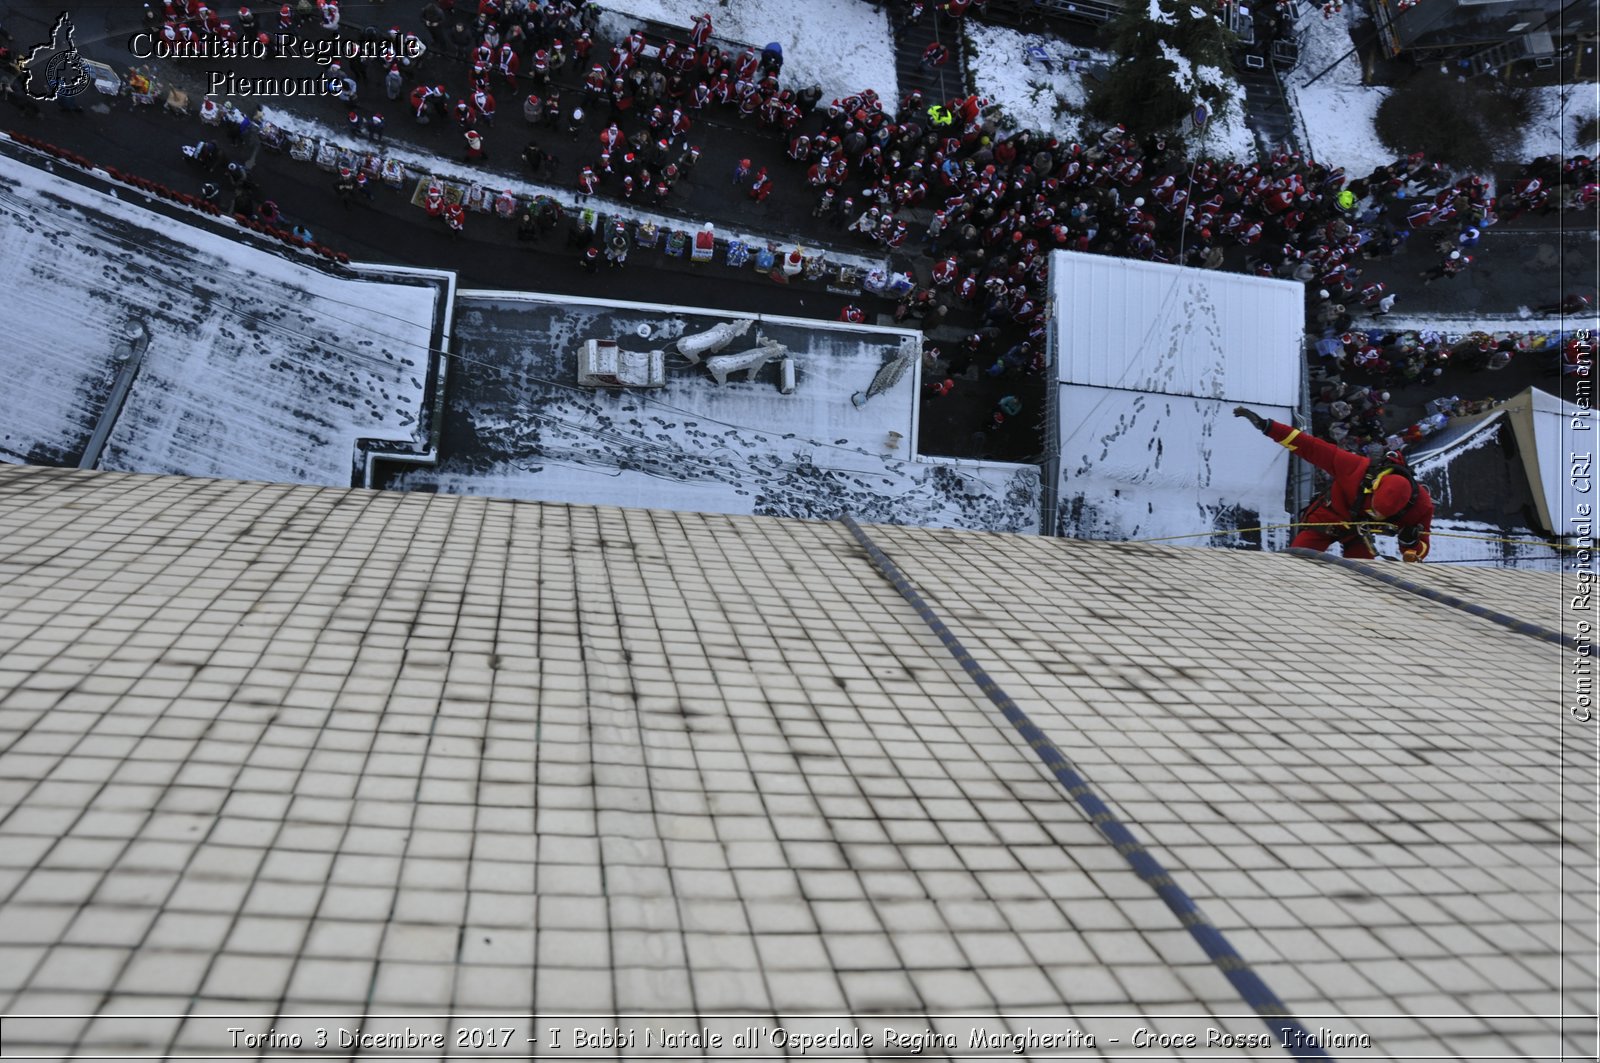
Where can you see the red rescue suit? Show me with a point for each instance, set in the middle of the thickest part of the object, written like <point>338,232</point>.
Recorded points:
<point>1349,499</point>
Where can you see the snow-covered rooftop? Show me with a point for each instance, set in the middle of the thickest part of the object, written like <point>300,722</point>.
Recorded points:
<point>257,366</point>
<point>521,427</point>
<point>1149,361</point>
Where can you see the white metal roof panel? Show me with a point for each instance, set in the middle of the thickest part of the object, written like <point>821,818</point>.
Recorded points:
<point>1143,326</point>
<point>1142,466</point>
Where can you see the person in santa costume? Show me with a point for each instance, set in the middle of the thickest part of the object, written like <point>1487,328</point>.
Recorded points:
<point>1364,493</point>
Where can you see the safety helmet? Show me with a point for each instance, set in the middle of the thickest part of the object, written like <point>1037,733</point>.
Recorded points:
<point>1391,493</point>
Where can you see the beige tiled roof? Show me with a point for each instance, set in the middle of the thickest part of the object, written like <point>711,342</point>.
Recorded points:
<point>289,758</point>
<point>1543,598</point>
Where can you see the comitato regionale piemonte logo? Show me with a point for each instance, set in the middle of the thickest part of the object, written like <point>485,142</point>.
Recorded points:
<point>54,69</point>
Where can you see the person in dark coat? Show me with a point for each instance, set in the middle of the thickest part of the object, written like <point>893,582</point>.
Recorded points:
<point>772,59</point>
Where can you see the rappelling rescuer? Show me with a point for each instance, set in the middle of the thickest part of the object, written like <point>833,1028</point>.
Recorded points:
<point>1365,494</point>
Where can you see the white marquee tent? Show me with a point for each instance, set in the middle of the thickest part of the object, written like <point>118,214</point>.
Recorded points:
<point>1555,451</point>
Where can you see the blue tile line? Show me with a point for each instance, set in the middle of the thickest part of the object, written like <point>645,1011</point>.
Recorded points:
<point>1288,1030</point>
<point>1372,571</point>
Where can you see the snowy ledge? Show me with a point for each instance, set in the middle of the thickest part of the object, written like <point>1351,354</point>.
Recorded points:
<point>419,163</point>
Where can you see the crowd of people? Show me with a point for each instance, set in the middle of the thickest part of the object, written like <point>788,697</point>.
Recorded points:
<point>939,178</point>
<point>1358,415</point>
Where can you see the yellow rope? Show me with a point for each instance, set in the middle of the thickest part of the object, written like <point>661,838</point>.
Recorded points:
<point>1357,525</point>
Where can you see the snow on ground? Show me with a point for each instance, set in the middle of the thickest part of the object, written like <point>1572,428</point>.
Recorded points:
<point>1036,98</point>
<point>418,161</point>
<point>520,427</point>
<point>1006,67</point>
<point>1337,113</point>
<point>842,45</point>
<point>257,367</point>
<point>1226,136</point>
<point>1558,111</point>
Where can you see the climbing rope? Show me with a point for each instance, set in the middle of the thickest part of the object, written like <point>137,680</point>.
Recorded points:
<point>1356,525</point>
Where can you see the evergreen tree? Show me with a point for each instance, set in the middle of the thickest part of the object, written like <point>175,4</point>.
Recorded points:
<point>1466,124</point>
<point>1171,55</point>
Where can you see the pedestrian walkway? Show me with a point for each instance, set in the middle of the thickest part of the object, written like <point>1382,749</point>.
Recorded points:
<point>1266,110</point>
<point>911,40</point>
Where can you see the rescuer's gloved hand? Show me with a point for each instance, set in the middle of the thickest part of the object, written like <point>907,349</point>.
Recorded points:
<point>1412,548</point>
<point>1252,416</point>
